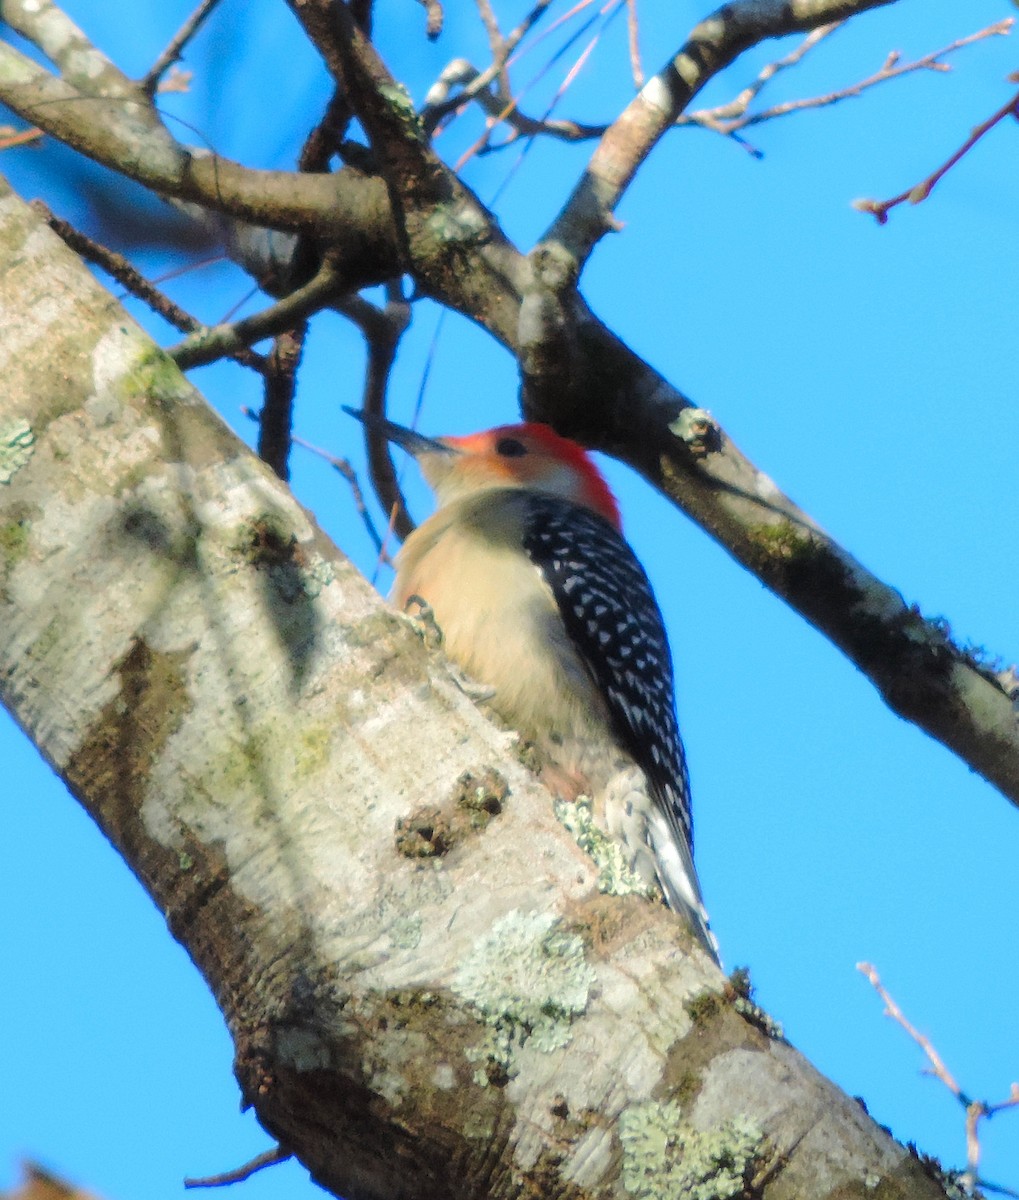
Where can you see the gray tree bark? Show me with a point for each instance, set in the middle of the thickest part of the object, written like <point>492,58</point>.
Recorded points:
<point>427,994</point>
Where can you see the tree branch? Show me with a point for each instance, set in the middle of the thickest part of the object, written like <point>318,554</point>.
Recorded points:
<point>734,116</point>
<point>217,341</point>
<point>175,49</point>
<point>617,403</point>
<point>244,720</point>
<point>712,45</point>
<point>126,135</point>
<point>967,705</point>
<point>918,193</point>
<point>116,266</point>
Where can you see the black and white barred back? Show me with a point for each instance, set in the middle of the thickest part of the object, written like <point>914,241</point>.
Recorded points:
<point>613,620</point>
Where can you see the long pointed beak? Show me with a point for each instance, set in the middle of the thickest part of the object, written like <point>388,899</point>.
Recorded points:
<point>414,443</point>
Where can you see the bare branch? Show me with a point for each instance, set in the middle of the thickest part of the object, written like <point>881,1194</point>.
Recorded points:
<point>11,137</point>
<point>175,49</point>
<point>438,102</point>
<point>218,341</point>
<point>633,31</point>
<point>892,1010</point>
<point>268,1158</point>
<point>125,134</point>
<point>382,329</point>
<point>118,268</point>
<point>81,64</point>
<point>736,109</point>
<point>460,71</point>
<point>976,1110</point>
<point>728,118</point>
<point>458,254</point>
<point>278,405</point>
<point>711,46</point>
<point>920,192</point>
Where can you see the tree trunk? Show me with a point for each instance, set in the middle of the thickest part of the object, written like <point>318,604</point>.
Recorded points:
<point>427,994</point>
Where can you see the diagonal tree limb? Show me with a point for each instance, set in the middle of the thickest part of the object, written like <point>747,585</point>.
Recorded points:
<point>212,342</point>
<point>244,720</point>
<point>638,416</point>
<point>81,64</point>
<point>126,135</point>
<point>116,266</point>
<point>712,45</point>
<point>617,402</point>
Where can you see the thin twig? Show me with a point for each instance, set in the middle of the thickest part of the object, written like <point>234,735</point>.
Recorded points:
<point>633,31</point>
<point>177,80</point>
<point>920,192</point>
<point>496,42</point>
<point>605,13</point>
<point>433,19</point>
<point>209,343</point>
<point>11,137</point>
<point>892,1010</point>
<point>116,266</point>
<point>439,103</point>
<point>175,48</point>
<point>976,1110</point>
<point>891,69</point>
<point>382,329</point>
<point>269,1159</point>
<point>728,117</point>
<point>497,45</point>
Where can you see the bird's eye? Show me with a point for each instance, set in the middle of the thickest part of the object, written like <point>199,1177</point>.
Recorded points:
<point>510,448</point>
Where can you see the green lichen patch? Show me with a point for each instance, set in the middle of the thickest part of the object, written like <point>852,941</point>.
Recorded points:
<point>17,445</point>
<point>783,542</point>
<point>615,876</point>
<point>401,106</point>
<point>405,933</point>
<point>664,1157</point>
<point>312,746</point>
<point>529,979</point>
<point>13,541</point>
<point>456,226</point>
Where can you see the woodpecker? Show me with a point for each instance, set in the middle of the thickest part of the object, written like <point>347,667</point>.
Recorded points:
<point>539,597</point>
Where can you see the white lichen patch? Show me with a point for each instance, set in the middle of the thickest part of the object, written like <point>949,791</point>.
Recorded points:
<point>529,979</point>
<point>405,933</point>
<point>444,1077</point>
<point>616,877</point>
<point>663,1156</point>
<point>17,445</point>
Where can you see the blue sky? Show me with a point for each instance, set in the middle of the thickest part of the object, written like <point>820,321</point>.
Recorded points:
<point>870,371</point>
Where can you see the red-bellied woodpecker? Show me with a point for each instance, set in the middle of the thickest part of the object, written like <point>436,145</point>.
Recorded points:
<point>539,597</point>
